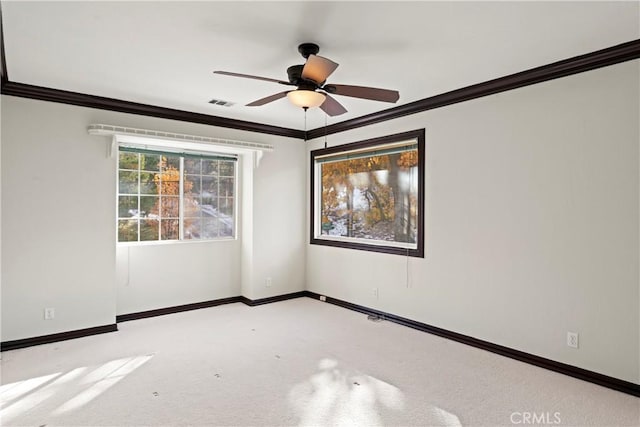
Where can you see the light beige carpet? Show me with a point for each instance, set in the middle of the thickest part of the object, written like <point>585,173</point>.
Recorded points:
<point>297,362</point>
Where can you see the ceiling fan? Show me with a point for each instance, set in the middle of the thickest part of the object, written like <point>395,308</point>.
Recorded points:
<point>311,87</point>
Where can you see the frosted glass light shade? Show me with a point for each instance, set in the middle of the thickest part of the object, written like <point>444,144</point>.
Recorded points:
<point>306,98</point>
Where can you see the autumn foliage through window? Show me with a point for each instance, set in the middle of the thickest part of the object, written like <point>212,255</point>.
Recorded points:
<point>370,195</point>
<point>164,196</point>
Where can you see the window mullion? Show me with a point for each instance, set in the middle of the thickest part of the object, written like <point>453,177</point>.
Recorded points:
<point>181,202</point>
<point>139,201</point>
<point>200,213</point>
<point>218,201</point>
<point>160,199</point>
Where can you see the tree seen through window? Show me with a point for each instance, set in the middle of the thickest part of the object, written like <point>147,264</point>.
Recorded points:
<point>372,197</point>
<point>369,195</point>
<point>170,197</point>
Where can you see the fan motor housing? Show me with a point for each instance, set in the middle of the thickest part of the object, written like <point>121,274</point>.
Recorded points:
<point>295,77</point>
<point>295,73</point>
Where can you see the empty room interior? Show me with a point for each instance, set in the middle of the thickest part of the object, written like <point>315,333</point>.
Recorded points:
<point>320,213</point>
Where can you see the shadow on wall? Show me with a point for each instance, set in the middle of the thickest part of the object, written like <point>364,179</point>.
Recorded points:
<point>335,396</point>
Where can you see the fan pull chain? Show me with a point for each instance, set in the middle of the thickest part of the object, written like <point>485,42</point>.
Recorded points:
<point>305,123</point>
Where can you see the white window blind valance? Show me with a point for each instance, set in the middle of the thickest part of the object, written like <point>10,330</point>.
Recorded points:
<point>381,150</point>
<point>134,148</point>
<point>110,130</point>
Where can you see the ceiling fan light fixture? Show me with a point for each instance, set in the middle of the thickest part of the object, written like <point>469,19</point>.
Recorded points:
<point>306,98</point>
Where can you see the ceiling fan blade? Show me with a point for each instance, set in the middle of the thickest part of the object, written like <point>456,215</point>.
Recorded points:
<point>364,92</point>
<point>332,107</point>
<point>268,99</point>
<point>248,76</point>
<point>317,68</point>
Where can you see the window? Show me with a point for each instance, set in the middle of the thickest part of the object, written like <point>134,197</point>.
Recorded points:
<point>368,195</point>
<point>175,196</point>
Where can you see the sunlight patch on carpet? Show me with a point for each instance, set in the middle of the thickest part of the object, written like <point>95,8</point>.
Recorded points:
<point>103,383</point>
<point>66,391</point>
<point>338,396</point>
<point>8,392</point>
<point>445,418</point>
<point>38,396</point>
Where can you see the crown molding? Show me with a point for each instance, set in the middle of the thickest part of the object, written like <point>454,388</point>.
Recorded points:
<point>601,58</point>
<point>4,77</point>
<point>103,103</point>
<point>578,64</point>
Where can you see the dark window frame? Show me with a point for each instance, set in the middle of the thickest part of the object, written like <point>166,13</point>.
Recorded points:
<point>419,136</point>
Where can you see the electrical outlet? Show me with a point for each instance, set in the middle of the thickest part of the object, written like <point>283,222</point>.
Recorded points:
<point>375,293</point>
<point>49,313</point>
<point>572,339</point>
<point>323,298</point>
<point>268,282</point>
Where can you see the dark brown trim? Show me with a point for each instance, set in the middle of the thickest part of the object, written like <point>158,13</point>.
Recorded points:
<point>268,300</point>
<point>176,309</point>
<point>419,135</point>
<point>572,371</point>
<point>578,64</point>
<point>62,336</point>
<point>206,304</point>
<point>92,101</point>
<point>4,76</point>
<point>563,368</point>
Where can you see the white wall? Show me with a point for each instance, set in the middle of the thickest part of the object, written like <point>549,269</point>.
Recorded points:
<point>532,210</point>
<point>58,225</point>
<point>58,235</point>
<point>279,228</point>
<point>273,244</point>
<point>165,275</point>
<point>532,201</point>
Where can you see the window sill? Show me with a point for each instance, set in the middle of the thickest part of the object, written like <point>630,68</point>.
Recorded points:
<point>175,242</point>
<point>369,247</point>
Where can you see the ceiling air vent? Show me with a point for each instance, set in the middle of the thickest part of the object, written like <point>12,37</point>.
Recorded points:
<point>221,102</point>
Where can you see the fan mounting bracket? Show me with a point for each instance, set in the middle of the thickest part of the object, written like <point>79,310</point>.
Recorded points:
<point>307,49</point>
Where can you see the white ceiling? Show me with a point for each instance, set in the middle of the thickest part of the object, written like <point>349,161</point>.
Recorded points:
<point>163,53</point>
